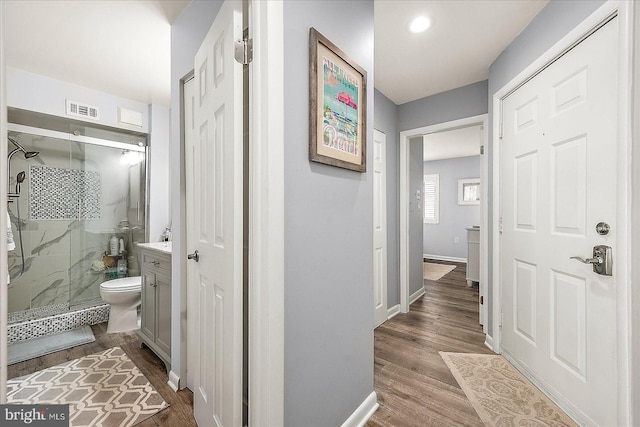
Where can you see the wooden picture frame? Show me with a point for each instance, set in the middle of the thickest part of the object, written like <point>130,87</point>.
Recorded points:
<point>337,106</point>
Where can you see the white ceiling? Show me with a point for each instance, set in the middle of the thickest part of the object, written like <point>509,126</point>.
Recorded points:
<point>450,144</point>
<point>467,36</point>
<point>119,47</point>
<point>123,47</point>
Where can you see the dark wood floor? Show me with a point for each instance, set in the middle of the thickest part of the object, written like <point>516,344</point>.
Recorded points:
<point>180,411</point>
<point>413,384</point>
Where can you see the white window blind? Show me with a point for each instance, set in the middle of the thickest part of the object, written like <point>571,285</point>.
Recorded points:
<point>432,199</point>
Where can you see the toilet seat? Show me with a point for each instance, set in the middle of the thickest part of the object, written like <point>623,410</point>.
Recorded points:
<point>125,284</point>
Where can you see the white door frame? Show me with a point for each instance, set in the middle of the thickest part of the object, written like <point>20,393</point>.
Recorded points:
<point>266,214</point>
<point>624,215</point>
<point>3,219</point>
<point>404,201</point>
<point>378,134</point>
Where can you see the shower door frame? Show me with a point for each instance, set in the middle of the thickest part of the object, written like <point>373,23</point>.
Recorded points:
<point>68,136</point>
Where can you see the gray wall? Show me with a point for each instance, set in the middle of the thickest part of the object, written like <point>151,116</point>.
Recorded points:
<point>328,312</point>
<point>416,164</point>
<point>187,33</point>
<point>459,103</point>
<point>553,22</point>
<point>386,120</point>
<point>466,101</point>
<point>454,218</point>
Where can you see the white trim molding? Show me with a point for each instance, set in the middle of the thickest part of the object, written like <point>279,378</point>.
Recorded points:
<point>361,415</point>
<point>417,294</point>
<point>393,311</point>
<point>444,258</point>
<point>488,342</point>
<point>405,196</point>
<point>174,381</point>
<point>266,214</point>
<point>634,302</point>
<point>628,161</point>
<point>3,220</point>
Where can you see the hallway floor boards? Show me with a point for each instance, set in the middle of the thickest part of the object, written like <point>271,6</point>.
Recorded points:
<point>413,384</point>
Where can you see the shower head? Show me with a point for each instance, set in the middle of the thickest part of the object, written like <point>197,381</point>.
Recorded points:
<point>27,154</point>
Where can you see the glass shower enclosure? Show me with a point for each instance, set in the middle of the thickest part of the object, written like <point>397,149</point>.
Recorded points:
<point>70,195</point>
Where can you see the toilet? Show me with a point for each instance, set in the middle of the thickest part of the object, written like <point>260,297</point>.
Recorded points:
<point>123,295</point>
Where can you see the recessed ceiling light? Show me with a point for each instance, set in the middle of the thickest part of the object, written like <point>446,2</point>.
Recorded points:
<point>419,24</point>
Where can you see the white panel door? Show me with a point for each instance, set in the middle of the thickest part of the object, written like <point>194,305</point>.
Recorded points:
<point>380,226</point>
<point>559,163</point>
<point>215,169</point>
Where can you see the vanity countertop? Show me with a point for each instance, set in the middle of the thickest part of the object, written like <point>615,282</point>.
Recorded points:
<point>164,247</point>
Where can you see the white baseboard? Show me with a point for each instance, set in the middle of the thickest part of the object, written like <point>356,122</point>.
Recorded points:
<point>414,296</point>
<point>444,258</point>
<point>393,311</point>
<point>174,381</point>
<point>580,417</point>
<point>488,341</point>
<point>362,414</point>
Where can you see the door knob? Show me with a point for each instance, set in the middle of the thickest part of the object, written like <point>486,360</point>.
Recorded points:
<point>602,260</point>
<point>596,260</point>
<point>194,256</point>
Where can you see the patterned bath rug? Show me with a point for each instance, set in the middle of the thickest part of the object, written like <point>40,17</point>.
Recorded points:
<point>104,389</point>
<point>500,394</point>
<point>433,271</point>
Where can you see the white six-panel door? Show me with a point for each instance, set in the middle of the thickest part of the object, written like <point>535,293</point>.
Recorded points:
<point>214,171</point>
<point>380,226</point>
<point>559,165</point>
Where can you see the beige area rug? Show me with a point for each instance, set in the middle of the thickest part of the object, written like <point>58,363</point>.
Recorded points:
<point>433,271</point>
<point>500,394</point>
<point>102,389</point>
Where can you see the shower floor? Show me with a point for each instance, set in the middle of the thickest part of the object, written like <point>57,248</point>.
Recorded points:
<point>37,313</point>
<point>51,310</point>
<point>54,323</point>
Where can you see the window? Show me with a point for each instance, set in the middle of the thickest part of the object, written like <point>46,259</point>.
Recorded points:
<point>469,191</point>
<point>432,199</point>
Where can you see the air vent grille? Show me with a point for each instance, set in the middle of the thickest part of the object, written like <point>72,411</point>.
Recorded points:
<point>82,110</point>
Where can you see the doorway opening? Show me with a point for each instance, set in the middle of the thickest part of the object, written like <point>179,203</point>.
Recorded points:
<point>471,186</point>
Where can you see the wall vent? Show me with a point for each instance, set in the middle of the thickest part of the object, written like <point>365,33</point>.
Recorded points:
<point>82,110</point>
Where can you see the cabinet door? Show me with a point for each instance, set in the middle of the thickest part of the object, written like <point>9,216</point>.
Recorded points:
<point>163,325</point>
<point>148,320</point>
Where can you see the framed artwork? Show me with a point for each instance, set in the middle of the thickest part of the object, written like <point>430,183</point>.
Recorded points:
<point>469,191</point>
<point>337,110</point>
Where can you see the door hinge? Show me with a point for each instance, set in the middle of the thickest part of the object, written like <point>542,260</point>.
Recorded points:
<point>482,149</point>
<point>243,51</point>
<point>500,131</point>
<point>482,299</point>
<point>500,225</point>
<point>500,319</point>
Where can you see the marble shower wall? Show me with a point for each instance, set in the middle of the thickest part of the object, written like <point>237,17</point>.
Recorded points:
<point>59,252</point>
